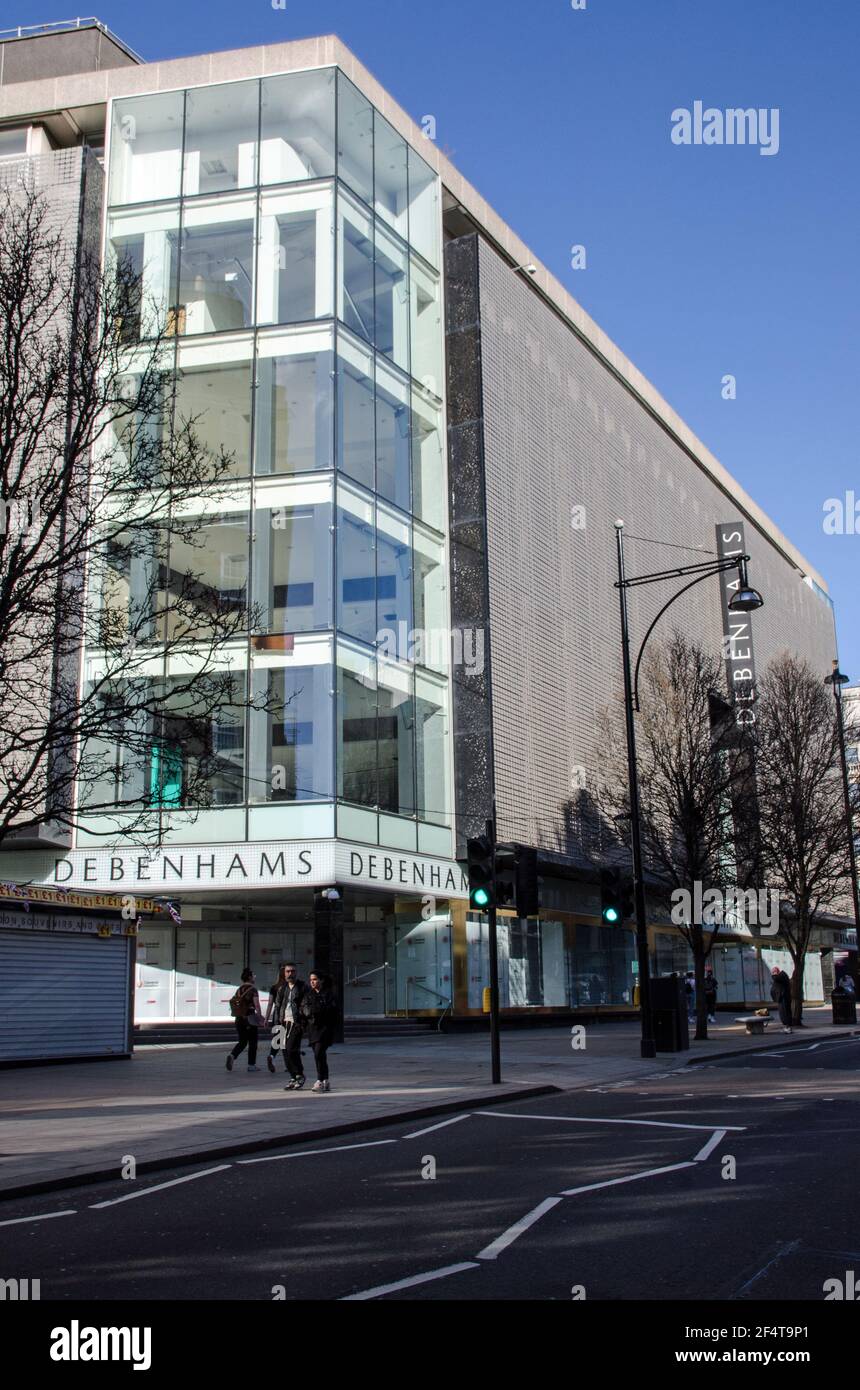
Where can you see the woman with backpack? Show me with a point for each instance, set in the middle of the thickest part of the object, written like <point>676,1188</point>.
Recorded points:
<point>319,1013</point>
<point>245,1008</point>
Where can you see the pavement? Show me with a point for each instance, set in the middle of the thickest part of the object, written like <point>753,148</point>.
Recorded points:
<point>174,1104</point>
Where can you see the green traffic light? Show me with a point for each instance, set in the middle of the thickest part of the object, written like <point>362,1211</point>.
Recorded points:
<point>610,914</point>
<point>480,897</point>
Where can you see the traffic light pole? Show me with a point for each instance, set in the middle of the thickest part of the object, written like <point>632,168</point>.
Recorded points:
<point>493,945</point>
<point>648,1045</point>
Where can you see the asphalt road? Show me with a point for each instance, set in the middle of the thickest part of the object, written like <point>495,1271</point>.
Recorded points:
<point>731,1180</point>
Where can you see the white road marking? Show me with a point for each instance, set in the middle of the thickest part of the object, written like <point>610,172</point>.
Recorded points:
<point>492,1251</point>
<point>588,1120</point>
<point>634,1177</point>
<point>174,1182</point>
<point>318,1153</point>
<point>382,1289</point>
<point>716,1138</point>
<point>785,1250</point>
<point>48,1216</point>
<point>416,1134</point>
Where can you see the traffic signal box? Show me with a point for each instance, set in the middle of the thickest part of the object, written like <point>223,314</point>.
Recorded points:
<point>616,897</point>
<point>513,883</point>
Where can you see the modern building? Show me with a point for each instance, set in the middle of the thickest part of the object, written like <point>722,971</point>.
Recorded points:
<point>431,442</point>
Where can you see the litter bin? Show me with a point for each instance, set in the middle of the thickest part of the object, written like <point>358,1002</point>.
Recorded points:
<point>844,1006</point>
<point>669,1012</point>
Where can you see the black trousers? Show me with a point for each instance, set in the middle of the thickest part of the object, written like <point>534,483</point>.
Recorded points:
<point>248,1034</point>
<point>293,1051</point>
<point>320,1049</point>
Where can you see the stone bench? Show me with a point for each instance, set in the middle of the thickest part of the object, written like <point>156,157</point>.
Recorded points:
<point>753,1023</point>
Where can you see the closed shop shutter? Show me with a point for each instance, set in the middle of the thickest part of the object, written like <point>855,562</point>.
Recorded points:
<point>63,996</point>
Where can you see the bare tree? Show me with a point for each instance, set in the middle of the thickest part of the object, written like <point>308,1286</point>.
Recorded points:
<point>107,491</point>
<point>802,816</point>
<point>695,812</point>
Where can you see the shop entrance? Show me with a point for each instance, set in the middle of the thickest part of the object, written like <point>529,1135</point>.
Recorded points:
<point>208,966</point>
<point>364,971</point>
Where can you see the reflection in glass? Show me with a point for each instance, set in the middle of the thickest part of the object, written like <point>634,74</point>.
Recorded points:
<point>431,722</point>
<point>393,445</point>
<point>290,735</point>
<point>356,729</point>
<point>355,139</point>
<point>215,285</point>
<point>221,137</point>
<point>357,583</point>
<point>297,137</point>
<point>391,199</point>
<point>293,424</point>
<point>146,148</point>
<point>396,741</point>
<point>292,568</point>
<point>207,577</point>
<point>424,221</point>
<point>391,298</point>
<point>216,400</point>
<point>357,294</point>
<point>144,248</point>
<point>355,437</point>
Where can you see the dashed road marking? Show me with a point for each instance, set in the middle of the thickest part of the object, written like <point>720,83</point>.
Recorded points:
<point>382,1289</point>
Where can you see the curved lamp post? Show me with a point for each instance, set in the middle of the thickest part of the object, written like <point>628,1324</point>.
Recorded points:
<point>746,600</point>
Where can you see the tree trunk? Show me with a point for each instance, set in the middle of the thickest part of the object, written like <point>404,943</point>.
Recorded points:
<point>797,992</point>
<point>699,957</point>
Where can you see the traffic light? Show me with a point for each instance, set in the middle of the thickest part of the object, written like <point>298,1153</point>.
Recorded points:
<point>616,897</point>
<point>527,888</point>
<point>479,855</point>
<point>611,910</point>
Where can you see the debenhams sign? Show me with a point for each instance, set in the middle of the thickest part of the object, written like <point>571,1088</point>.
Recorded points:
<point>314,863</point>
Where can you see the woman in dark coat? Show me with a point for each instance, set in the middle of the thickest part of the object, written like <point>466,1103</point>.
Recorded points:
<point>319,1012</point>
<point>780,993</point>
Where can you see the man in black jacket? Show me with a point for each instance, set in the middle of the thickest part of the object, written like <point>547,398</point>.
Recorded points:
<point>288,1013</point>
<point>780,993</point>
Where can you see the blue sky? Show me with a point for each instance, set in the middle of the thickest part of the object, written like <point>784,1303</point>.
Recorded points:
<point>702,261</point>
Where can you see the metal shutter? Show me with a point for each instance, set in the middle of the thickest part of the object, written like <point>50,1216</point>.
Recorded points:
<point>63,996</point>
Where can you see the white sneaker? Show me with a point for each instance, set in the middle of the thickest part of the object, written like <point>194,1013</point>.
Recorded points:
<point>253,1069</point>
<point>319,1087</point>
<point>787,1030</point>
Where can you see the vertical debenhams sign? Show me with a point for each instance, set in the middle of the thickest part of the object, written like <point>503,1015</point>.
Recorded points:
<point>737,627</point>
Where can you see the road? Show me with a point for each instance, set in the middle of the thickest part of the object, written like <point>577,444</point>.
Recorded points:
<point>730,1180</point>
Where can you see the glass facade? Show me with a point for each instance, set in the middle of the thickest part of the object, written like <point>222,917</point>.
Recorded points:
<point>287,242</point>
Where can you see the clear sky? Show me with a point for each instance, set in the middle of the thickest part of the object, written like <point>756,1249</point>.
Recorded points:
<point>702,261</point>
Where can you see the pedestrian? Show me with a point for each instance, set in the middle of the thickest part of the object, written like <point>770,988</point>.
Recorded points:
<point>245,1008</point>
<point>289,1017</point>
<point>690,987</point>
<point>272,1018</point>
<point>711,995</point>
<point>319,1010</point>
<point>780,993</point>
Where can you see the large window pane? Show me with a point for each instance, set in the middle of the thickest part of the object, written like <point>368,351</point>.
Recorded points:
<point>356,729</point>
<point>391,199</point>
<point>291,735</point>
<point>221,137</point>
<point>356,431</point>
<point>295,267</point>
<point>356,570</point>
<point>393,445</point>
<point>426,330</point>
<point>393,579</point>
<point>431,730</point>
<point>424,220</point>
<point>431,599</point>
<point>216,275</point>
<point>355,139</point>
<point>292,565</point>
<point>215,398</point>
<point>355,259</point>
<point>144,248</point>
<point>207,577</point>
<point>127,584</point>
<point>429,499</point>
<point>391,298</point>
<point>198,756</point>
<point>146,148</point>
<point>293,422</point>
<point>297,140</point>
<point>396,740</point>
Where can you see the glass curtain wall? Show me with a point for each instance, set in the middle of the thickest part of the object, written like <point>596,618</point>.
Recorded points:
<point>285,244</point>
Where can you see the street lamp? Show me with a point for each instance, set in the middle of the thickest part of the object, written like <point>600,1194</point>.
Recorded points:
<point>837,680</point>
<point>746,600</point>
